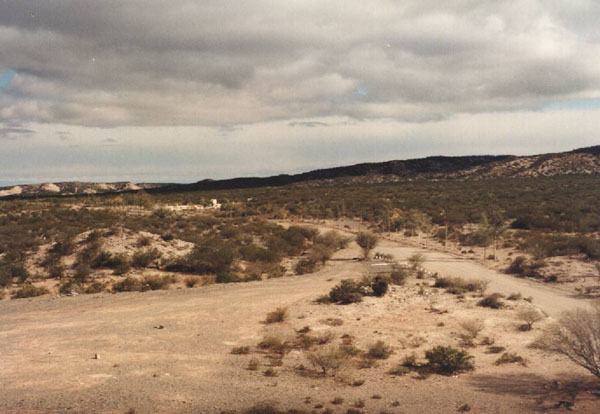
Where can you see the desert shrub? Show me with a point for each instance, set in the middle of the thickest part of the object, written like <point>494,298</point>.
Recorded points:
<point>256,270</point>
<point>210,256</point>
<point>122,265</point>
<point>367,242</point>
<point>253,364</point>
<point>143,258</point>
<point>94,236</point>
<point>380,287</point>
<point>270,372</point>
<point>346,292</point>
<point>333,240</point>
<point>305,265</point>
<point>158,282</point>
<point>192,281</point>
<point>471,328</point>
<point>320,253</point>
<point>82,272</point>
<point>514,296</point>
<point>529,316</point>
<point>457,285</point>
<point>278,315</point>
<point>337,401</point>
<point>525,268</point>
<point>87,256</point>
<point>18,271</point>
<point>446,360</point>
<point>144,241</point>
<point>29,291</point>
<point>416,260</point>
<point>273,344</point>
<point>168,236</point>
<point>62,247</point>
<point>254,253</point>
<point>263,408</point>
<point>549,245</point>
<point>56,271</point>
<point>129,284</point>
<point>68,287</point>
<point>379,350</point>
<point>95,287</point>
<point>107,259</point>
<point>510,358</point>
<point>240,350</point>
<point>576,336</point>
<point>304,341</point>
<point>228,277</point>
<point>398,276</point>
<point>327,361</point>
<point>5,277</point>
<point>399,370</point>
<point>491,301</point>
<point>359,403</point>
<point>495,349</point>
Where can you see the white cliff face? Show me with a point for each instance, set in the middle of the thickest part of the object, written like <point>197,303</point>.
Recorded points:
<point>11,191</point>
<point>50,187</point>
<point>132,186</point>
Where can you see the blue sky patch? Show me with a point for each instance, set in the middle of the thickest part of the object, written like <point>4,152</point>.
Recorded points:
<point>575,104</point>
<point>6,78</point>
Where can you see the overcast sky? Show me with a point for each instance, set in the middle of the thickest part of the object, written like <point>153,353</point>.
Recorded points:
<point>154,90</point>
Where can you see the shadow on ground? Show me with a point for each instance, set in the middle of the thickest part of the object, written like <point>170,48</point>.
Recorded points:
<point>541,394</point>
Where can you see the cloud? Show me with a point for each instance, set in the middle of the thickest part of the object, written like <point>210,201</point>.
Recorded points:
<point>225,62</point>
<point>14,133</point>
<point>309,124</point>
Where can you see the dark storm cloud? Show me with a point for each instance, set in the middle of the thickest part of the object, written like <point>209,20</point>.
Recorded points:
<point>216,62</point>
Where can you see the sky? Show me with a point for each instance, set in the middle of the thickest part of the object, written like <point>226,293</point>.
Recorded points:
<point>182,90</point>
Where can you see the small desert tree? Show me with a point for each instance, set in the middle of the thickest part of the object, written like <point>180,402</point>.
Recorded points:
<point>529,316</point>
<point>576,336</point>
<point>367,242</point>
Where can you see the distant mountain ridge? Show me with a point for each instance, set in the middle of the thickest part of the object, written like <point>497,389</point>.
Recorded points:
<point>579,161</point>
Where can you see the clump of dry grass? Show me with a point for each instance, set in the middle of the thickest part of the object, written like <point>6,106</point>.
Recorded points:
<point>276,316</point>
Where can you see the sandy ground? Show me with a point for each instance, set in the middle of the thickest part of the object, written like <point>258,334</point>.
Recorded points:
<point>47,347</point>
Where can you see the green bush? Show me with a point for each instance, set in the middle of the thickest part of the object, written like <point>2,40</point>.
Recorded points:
<point>367,242</point>
<point>346,292</point>
<point>446,360</point>
<point>380,287</point>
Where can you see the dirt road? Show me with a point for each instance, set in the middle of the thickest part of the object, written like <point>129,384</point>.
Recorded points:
<point>47,346</point>
<point>551,300</point>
